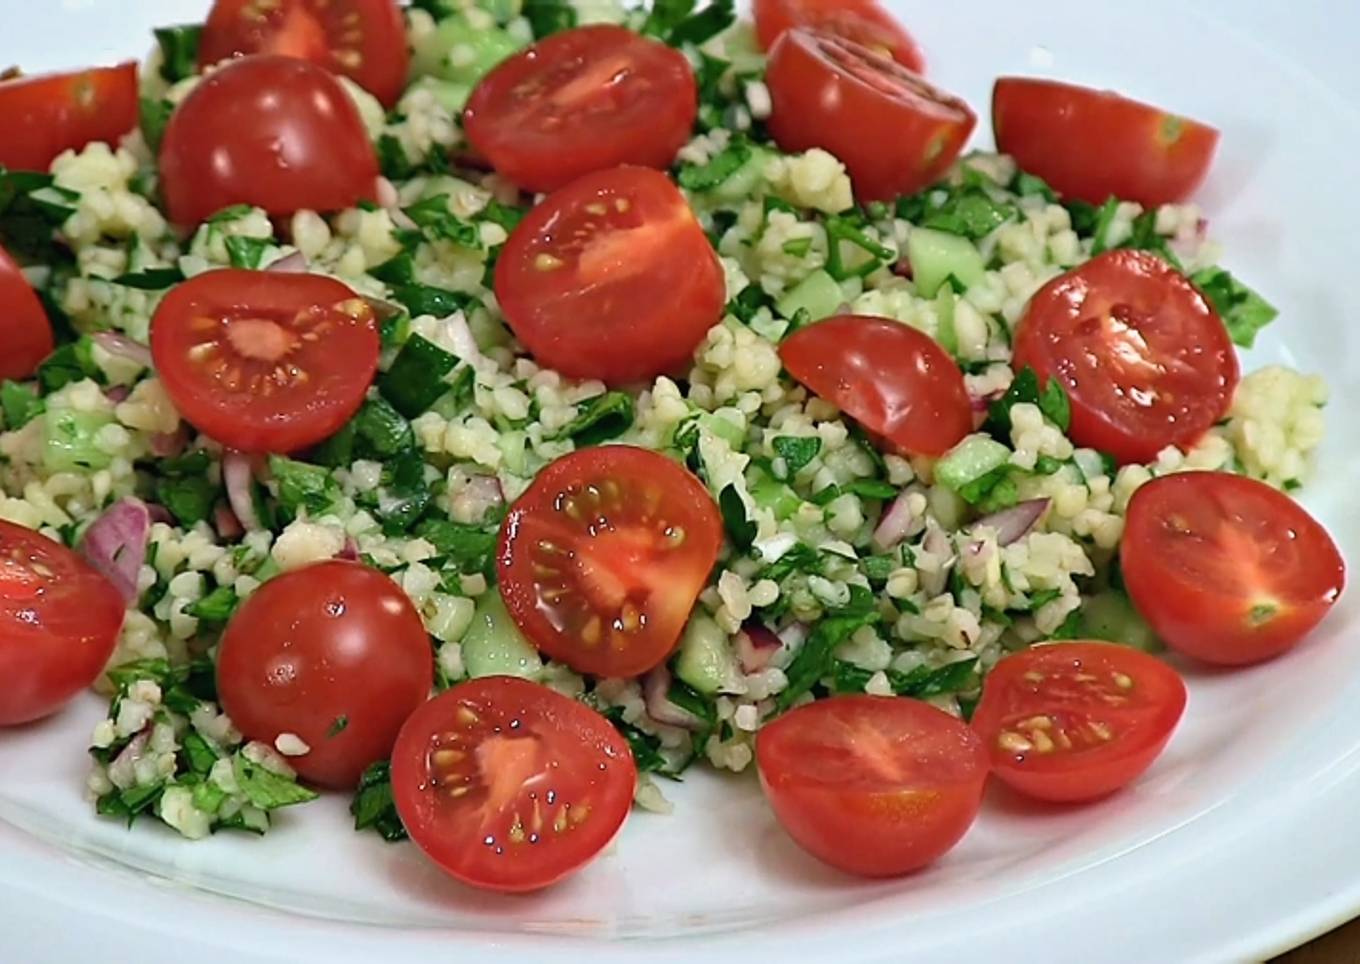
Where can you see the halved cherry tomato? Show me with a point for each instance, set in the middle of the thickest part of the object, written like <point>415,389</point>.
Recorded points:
<point>863,21</point>
<point>510,786</point>
<point>1094,144</point>
<point>25,334</point>
<point>1145,359</point>
<point>581,101</point>
<point>364,40</point>
<point>264,361</point>
<point>1227,569</point>
<point>51,113</point>
<point>827,91</point>
<point>873,785</point>
<point>579,277</point>
<point>333,653</point>
<point>271,131</point>
<point>1069,722</point>
<point>896,381</point>
<point>602,558</point>
<point>59,622</point>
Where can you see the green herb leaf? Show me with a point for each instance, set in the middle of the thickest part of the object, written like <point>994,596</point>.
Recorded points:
<point>20,404</point>
<point>646,747</point>
<point>152,279</point>
<point>797,451</point>
<point>814,657</point>
<point>266,789</point>
<point>179,51</point>
<point>216,607</point>
<point>404,494</point>
<point>1051,400</point>
<point>704,177</point>
<point>246,252</point>
<point>381,431</point>
<point>871,489</point>
<point>549,16</point>
<point>190,500</point>
<point>197,752</point>
<point>153,115</point>
<point>925,682</point>
<point>304,486</point>
<point>338,726</point>
<point>392,159</point>
<point>434,218</point>
<point>1027,184</point>
<point>416,379</point>
<point>505,215</point>
<point>71,362</point>
<point>1242,310</point>
<point>421,300</point>
<point>600,419</point>
<point>466,547</point>
<point>841,228</point>
<point>373,807</point>
<point>969,213</point>
<point>740,529</point>
<point>232,212</point>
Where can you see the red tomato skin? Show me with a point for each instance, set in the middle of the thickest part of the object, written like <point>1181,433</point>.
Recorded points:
<point>891,377</point>
<point>1138,284</point>
<point>863,21</point>
<point>512,120</point>
<point>332,641</point>
<point>51,113</point>
<point>25,334</point>
<point>1181,604</point>
<point>275,132</point>
<point>585,749</point>
<point>58,627</point>
<point>1093,145</point>
<point>827,91</point>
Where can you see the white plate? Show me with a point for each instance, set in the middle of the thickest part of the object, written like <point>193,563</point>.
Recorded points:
<point>1239,843</point>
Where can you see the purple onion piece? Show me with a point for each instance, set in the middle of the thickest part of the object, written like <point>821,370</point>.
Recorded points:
<point>656,687</point>
<point>121,346</point>
<point>295,263</point>
<point>225,522</point>
<point>1014,524</point>
<point>115,544</point>
<point>895,525</point>
<point>755,647</point>
<point>238,476</point>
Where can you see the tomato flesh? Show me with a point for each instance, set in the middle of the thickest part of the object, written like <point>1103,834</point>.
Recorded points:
<point>1094,144</point>
<point>263,361</point>
<point>874,785</point>
<point>510,786</point>
<point>1069,722</point>
<point>863,21</point>
<point>51,113</point>
<point>1227,569</point>
<point>1145,359</point>
<point>603,556</point>
<point>25,334</point>
<point>578,278</point>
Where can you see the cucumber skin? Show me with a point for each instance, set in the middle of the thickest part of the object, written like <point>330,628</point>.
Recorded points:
<point>970,460</point>
<point>705,660</point>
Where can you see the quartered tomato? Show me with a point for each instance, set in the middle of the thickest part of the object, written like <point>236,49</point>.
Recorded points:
<point>1094,144</point>
<point>51,113</point>
<point>580,101</point>
<point>264,361</point>
<point>510,786</point>
<point>611,278</point>
<point>602,558</point>
<point>1069,722</point>
<point>1145,359</point>
<point>827,91</point>
<point>894,380</point>
<point>272,131</point>
<point>1227,569</point>
<point>874,785</point>
<point>59,622</point>
<point>25,334</point>
<point>364,40</point>
<point>863,21</point>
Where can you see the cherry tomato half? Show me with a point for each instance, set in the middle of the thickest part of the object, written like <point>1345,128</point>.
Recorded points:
<point>863,21</point>
<point>602,557</point>
<point>51,113</point>
<point>272,131</point>
<point>364,40</point>
<point>510,786</point>
<point>1094,144</point>
<point>333,653</point>
<point>264,361</point>
<point>579,278</point>
<point>1227,569</point>
<point>59,622</point>
<point>827,91</point>
<point>1145,359</point>
<point>894,380</point>
<point>1069,722</point>
<point>25,334</point>
<point>874,785</point>
<point>581,101</point>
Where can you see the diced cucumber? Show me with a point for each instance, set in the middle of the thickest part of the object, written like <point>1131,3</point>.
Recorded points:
<point>730,432</point>
<point>68,440</point>
<point>776,496</point>
<point>818,293</point>
<point>502,10</point>
<point>745,180</point>
<point>1109,615</point>
<point>944,314</point>
<point>935,255</point>
<point>457,52</point>
<point>970,460</point>
<point>512,446</point>
<point>493,644</point>
<point>706,660</point>
<point>450,95</point>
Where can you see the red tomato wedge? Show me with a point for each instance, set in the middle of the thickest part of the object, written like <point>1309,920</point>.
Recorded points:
<point>1227,569</point>
<point>863,21</point>
<point>874,785</point>
<point>51,113</point>
<point>25,334</point>
<point>272,131</point>
<point>263,361</point>
<point>333,653</point>
<point>59,622</point>
<point>602,558</point>
<point>580,276</point>
<point>1094,144</point>
<point>1070,722</point>
<point>1145,359</point>
<point>581,101</point>
<point>827,91</point>
<point>894,380</point>
<point>365,40</point>
<point>510,786</point>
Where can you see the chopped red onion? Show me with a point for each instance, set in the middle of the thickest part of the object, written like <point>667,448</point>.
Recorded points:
<point>793,635</point>
<point>902,268</point>
<point>117,393</point>
<point>238,475</point>
<point>121,346</point>
<point>295,263</point>
<point>167,445</point>
<point>225,522</point>
<point>937,543</point>
<point>160,513</point>
<point>895,525</point>
<point>385,193</point>
<point>1014,523</point>
<point>401,220</point>
<point>482,494</point>
<point>115,544</point>
<point>350,551</point>
<point>656,687</point>
<point>755,646</point>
